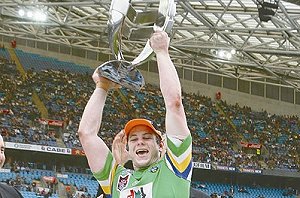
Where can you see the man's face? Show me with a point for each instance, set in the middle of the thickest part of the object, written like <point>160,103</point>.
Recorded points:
<point>2,156</point>
<point>143,147</point>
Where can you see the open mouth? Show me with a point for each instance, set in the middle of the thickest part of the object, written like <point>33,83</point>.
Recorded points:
<point>141,152</point>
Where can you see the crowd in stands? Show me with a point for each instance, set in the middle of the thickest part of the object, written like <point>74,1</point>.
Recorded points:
<point>221,190</point>
<point>18,112</point>
<point>34,183</point>
<point>45,183</point>
<point>216,127</point>
<point>279,135</point>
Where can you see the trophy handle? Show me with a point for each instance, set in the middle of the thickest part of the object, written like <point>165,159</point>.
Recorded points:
<point>120,9</point>
<point>117,13</point>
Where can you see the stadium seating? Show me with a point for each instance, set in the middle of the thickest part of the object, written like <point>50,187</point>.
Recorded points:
<point>65,95</point>
<point>216,126</point>
<point>82,182</point>
<point>248,191</point>
<point>39,63</point>
<point>4,54</point>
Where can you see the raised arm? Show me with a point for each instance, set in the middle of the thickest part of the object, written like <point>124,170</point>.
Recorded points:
<point>176,124</point>
<point>94,147</point>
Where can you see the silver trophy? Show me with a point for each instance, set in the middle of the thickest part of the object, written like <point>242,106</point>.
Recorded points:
<point>127,23</point>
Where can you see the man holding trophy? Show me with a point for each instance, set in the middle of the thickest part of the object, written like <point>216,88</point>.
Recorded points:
<point>154,176</point>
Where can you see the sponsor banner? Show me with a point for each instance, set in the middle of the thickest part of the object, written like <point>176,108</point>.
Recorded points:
<point>224,168</point>
<point>201,165</point>
<point>77,152</point>
<point>4,170</point>
<point>20,146</point>
<point>249,170</point>
<point>250,145</point>
<point>40,148</point>
<point>52,149</point>
<point>57,123</point>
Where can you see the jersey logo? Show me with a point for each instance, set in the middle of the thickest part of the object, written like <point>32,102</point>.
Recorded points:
<point>154,169</point>
<point>122,182</point>
<point>144,191</point>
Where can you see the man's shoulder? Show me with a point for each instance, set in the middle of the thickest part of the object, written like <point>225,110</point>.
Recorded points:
<point>7,191</point>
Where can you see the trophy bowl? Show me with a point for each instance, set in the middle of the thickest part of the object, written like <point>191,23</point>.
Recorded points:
<point>122,72</point>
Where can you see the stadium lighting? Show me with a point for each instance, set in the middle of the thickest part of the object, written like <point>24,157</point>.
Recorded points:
<point>225,54</point>
<point>228,56</point>
<point>29,14</point>
<point>33,13</point>
<point>39,16</point>
<point>21,12</point>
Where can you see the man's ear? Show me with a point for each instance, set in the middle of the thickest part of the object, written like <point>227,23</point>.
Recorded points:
<point>161,147</point>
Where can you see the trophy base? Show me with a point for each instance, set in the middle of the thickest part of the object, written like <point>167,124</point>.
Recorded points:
<point>123,73</point>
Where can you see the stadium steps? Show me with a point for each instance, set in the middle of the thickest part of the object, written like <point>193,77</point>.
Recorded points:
<point>236,147</point>
<point>35,98</point>
<point>221,111</point>
<point>124,99</point>
<point>119,94</point>
<point>40,105</point>
<point>263,164</point>
<point>15,58</point>
<point>60,142</point>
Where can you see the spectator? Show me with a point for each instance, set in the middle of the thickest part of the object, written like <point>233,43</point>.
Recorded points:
<point>5,190</point>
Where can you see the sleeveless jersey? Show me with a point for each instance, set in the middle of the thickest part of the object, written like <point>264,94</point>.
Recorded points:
<point>168,178</point>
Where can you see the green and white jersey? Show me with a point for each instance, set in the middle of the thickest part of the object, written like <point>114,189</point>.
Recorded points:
<point>168,178</point>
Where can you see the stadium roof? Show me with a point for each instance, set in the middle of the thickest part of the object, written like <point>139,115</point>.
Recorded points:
<point>265,50</point>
